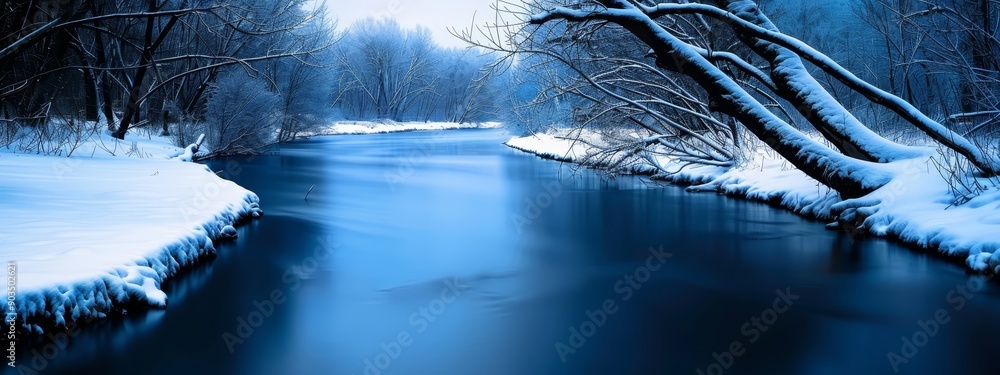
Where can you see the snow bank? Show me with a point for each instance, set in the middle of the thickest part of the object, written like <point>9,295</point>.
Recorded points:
<point>915,207</point>
<point>549,146</point>
<point>768,177</point>
<point>99,232</point>
<point>369,127</point>
<point>580,145</point>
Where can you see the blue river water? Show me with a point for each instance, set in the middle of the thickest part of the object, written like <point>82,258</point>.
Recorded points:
<point>448,253</point>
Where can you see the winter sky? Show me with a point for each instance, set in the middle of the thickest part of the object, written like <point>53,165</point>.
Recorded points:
<point>436,15</point>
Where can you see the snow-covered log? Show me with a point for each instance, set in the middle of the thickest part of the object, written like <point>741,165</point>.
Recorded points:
<point>793,82</point>
<point>849,176</point>
<point>191,149</point>
<point>902,108</point>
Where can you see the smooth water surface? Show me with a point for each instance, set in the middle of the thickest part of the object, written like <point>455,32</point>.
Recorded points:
<point>417,253</point>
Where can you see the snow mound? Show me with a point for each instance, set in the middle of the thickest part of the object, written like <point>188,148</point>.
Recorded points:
<point>228,232</point>
<point>191,150</point>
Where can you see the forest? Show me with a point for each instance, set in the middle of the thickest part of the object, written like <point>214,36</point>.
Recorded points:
<point>247,73</point>
<point>710,83</point>
<point>555,177</point>
<point>876,80</point>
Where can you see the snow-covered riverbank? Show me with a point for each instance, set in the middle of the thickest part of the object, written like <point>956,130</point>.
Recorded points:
<point>371,127</point>
<point>102,230</point>
<point>916,207</point>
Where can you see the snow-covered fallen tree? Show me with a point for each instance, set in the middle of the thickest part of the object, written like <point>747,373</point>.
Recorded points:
<point>748,72</point>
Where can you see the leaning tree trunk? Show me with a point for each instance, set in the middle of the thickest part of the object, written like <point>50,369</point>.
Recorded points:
<point>795,84</point>
<point>983,161</point>
<point>199,93</point>
<point>850,177</point>
<point>149,48</point>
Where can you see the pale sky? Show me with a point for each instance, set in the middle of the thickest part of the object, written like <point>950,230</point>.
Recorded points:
<point>435,15</point>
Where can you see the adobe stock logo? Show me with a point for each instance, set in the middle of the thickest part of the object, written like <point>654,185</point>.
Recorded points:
<point>911,344</point>
<point>752,329</point>
<point>420,320</point>
<point>626,287</point>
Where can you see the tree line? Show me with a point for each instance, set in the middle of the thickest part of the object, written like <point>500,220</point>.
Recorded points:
<point>387,72</point>
<point>246,73</point>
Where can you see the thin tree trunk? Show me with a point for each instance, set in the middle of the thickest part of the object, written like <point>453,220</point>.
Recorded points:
<point>196,99</point>
<point>89,82</point>
<point>102,77</point>
<point>149,48</point>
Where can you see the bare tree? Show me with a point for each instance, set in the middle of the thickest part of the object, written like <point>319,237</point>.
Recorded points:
<point>144,48</point>
<point>384,69</point>
<point>851,169</point>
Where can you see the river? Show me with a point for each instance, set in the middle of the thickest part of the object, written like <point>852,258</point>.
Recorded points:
<point>448,253</point>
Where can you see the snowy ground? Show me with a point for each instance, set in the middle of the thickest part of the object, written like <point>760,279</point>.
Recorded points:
<point>105,228</point>
<point>370,127</point>
<point>915,207</point>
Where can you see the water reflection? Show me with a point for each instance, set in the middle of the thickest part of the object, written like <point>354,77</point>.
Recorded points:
<point>451,254</point>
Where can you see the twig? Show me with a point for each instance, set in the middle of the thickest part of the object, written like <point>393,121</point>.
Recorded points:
<point>310,191</point>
